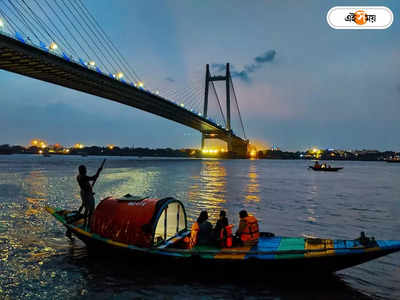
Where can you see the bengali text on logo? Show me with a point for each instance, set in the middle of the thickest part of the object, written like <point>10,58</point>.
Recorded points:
<point>351,17</point>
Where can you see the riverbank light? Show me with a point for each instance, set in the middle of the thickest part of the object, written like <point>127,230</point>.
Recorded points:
<point>53,46</point>
<point>79,146</point>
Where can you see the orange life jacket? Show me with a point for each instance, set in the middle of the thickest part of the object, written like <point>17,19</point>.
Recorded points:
<point>226,236</point>
<point>194,235</point>
<point>250,232</point>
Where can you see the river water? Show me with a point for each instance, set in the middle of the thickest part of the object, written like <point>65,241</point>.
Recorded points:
<point>37,261</point>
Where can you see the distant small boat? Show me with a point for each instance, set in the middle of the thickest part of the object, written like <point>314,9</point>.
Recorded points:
<point>325,169</point>
<point>46,155</point>
<point>393,160</point>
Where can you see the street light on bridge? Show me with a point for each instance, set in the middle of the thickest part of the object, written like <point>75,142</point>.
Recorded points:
<point>53,46</point>
<point>1,23</point>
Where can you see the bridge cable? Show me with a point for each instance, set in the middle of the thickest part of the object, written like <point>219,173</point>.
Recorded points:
<point>237,106</point>
<point>37,28</point>
<point>85,19</point>
<point>43,26</point>
<point>10,22</point>
<point>109,40</point>
<point>104,42</point>
<point>71,49</point>
<point>66,27</point>
<point>95,44</point>
<point>28,10</point>
<point>20,18</point>
<point>219,103</point>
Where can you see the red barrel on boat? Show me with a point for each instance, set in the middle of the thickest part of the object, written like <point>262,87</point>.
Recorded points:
<point>139,222</point>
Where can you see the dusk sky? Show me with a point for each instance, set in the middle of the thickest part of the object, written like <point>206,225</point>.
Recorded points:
<point>299,82</point>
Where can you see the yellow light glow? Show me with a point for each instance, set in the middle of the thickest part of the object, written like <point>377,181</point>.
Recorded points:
<point>79,146</point>
<point>157,93</point>
<point>40,151</point>
<point>253,153</point>
<point>92,63</point>
<point>139,84</point>
<point>182,105</point>
<point>110,146</point>
<point>53,46</point>
<point>34,142</point>
<point>119,75</point>
<point>1,23</point>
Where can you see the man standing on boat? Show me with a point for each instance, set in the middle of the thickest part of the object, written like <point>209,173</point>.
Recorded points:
<point>87,194</point>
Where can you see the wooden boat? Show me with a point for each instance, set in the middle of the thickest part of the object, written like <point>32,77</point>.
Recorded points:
<point>331,169</point>
<point>154,230</point>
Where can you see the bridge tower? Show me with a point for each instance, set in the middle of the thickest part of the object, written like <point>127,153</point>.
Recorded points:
<point>236,145</point>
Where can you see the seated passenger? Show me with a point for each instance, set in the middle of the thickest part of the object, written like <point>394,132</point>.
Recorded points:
<point>317,165</point>
<point>201,233</point>
<point>223,231</point>
<point>247,232</point>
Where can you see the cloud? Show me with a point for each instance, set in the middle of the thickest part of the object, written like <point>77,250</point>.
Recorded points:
<point>257,63</point>
<point>266,57</point>
<point>170,79</point>
<point>243,75</point>
<point>218,67</point>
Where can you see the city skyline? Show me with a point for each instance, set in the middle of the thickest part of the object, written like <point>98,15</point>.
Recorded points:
<point>298,86</point>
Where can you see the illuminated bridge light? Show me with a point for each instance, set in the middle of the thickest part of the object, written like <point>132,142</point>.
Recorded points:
<point>53,46</point>
<point>182,105</point>
<point>92,63</point>
<point>1,23</point>
<point>119,75</point>
<point>139,84</point>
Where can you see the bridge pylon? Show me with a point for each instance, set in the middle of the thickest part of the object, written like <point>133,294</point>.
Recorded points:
<point>236,146</point>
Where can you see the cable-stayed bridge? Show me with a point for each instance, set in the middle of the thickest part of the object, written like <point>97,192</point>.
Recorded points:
<point>44,40</point>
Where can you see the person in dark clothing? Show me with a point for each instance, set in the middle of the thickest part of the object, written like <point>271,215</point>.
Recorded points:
<point>223,231</point>
<point>205,229</point>
<point>222,222</point>
<point>87,195</point>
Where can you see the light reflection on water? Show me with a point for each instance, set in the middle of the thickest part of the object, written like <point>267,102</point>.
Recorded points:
<point>37,261</point>
<point>253,185</point>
